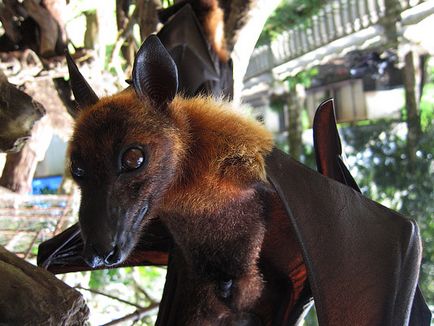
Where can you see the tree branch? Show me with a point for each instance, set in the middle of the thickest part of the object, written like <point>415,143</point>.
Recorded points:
<point>135,316</point>
<point>120,40</point>
<point>110,296</point>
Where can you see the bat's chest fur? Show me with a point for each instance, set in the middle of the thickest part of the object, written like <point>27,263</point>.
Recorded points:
<point>223,237</point>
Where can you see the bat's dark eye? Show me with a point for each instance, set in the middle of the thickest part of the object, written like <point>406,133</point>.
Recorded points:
<point>224,288</point>
<point>132,159</point>
<point>76,170</point>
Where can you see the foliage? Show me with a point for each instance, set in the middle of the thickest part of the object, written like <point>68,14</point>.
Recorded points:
<point>303,78</point>
<point>139,286</point>
<point>288,13</point>
<point>426,106</point>
<point>378,155</point>
<point>167,3</point>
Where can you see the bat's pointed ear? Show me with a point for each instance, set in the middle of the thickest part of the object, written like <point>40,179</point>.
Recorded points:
<point>83,93</point>
<point>155,75</point>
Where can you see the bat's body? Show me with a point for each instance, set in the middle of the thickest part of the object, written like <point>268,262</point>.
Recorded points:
<point>197,166</point>
<point>204,178</point>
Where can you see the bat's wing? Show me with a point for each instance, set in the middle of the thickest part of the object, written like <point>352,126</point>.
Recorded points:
<point>173,294</point>
<point>328,152</point>
<point>327,144</point>
<point>199,68</point>
<point>62,253</point>
<point>363,259</point>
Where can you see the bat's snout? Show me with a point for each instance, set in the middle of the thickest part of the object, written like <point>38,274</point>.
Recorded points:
<point>96,256</point>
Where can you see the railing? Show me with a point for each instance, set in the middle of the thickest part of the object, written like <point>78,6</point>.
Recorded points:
<point>27,220</point>
<point>337,19</point>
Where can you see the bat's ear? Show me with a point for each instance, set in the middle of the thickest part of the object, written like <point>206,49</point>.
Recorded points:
<point>83,93</point>
<point>155,75</point>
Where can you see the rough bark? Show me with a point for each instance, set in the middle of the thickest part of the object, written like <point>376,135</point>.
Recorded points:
<point>32,296</point>
<point>147,17</point>
<point>20,167</point>
<point>10,26</point>
<point>18,113</point>
<point>33,24</point>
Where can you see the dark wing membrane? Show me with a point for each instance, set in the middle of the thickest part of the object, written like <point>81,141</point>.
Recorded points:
<point>328,151</point>
<point>328,148</point>
<point>363,259</point>
<point>420,313</point>
<point>62,253</point>
<point>199,68</point>
<point>171,302</point>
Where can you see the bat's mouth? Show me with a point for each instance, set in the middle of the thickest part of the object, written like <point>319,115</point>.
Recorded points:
<point>140,216</point>
<point>124,245</point>
<point>243,319</point>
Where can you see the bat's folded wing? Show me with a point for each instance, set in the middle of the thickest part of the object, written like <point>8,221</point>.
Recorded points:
<point>328,154</point>
<point>184,39</point>
<point>363,259</point>
<point>328,148</point>
<point>200,71</point>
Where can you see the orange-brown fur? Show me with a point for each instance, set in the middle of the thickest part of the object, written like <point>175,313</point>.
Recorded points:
<point>211,17</point>
<point>225,149</point>
<point>206,163</point>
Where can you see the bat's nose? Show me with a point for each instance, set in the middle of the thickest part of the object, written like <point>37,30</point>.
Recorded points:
<point>96,256</point>
<point>113,257</point>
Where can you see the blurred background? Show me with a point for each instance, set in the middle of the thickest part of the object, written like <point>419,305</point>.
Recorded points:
<point>374,57</point>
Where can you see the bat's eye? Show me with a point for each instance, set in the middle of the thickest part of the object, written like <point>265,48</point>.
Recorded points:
<point>132,159</point>
<point>76,170</point>
<point>224,288</point>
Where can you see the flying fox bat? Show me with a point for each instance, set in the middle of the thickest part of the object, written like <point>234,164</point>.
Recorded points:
<point>246,222</point>
<point>193,35</point>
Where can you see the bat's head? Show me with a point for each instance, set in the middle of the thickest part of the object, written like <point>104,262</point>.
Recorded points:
<point>124,154</point>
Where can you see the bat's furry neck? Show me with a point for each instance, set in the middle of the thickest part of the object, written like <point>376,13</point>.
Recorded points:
<point>224,150</point>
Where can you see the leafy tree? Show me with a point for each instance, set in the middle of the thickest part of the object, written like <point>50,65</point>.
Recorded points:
<point>288,13</point>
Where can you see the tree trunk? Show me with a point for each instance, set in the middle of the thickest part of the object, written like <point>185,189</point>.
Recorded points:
<point>411,106</point>
<point>48,27</point>
<point>245,38</point>
<point>92,30</point>
<point>32,296</point>
<point>20,167</point>
<point>295,128</point>
<point>147,17</point>
<point>123,21</point>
